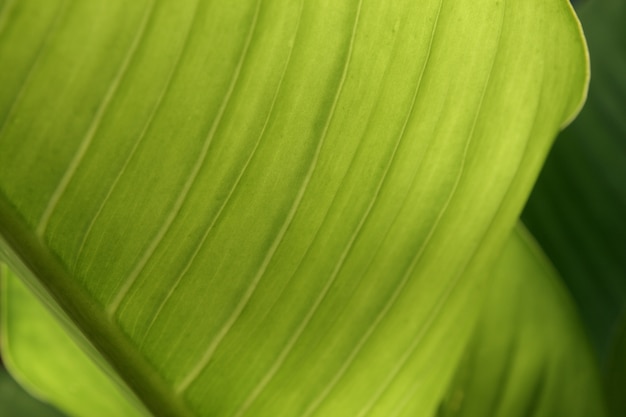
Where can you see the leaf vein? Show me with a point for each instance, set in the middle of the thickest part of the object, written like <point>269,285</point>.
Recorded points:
<point>450,288</point>
<point>208,354</point>
<point>94,125</point>
<point>140,139</point>
<point>235,185</point>
<point>337,377</point>
<point>145,257</point>
<point>49,33</point>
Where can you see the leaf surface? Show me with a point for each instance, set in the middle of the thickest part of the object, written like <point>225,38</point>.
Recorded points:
<point>271,208</point>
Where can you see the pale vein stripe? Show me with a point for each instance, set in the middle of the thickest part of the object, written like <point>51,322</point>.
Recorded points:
<point>198,247</point>
<point>208,354</point>
<point>279,362</point>
<point>112,307</point>
<point>95,124</point>
<point>148,124</point>
<point>140,138</point>
<point>454,282</point>
<point>4,14</point>
<point>345,366</point>
<point>50,30</point>
<point>410,394</point>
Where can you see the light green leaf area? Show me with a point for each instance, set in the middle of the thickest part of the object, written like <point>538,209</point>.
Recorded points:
<point>44,358</point>
<point>577,209</point>
<point>263,208</point>
<point>529,356</point>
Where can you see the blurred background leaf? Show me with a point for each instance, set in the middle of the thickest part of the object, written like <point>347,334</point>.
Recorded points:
<point>578,208</point>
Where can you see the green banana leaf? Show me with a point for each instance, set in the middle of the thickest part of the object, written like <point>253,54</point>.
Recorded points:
<point>529,355</point>
<point>276,208</point>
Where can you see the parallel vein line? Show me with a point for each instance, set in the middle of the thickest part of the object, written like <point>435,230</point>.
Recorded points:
<point>140,138</point>
<point>384,237</point>
<point>345,366</point>
<point>360,344</point>
<point>235,185</point>
<point>454,282</point>
<point>95,124</point>
<point>50,31</point>
<point>112,307</point>
<point>208,354</point>
<point>322,295</point>
<point>278,363</point>
<point>167,88</point>
<point>463,270</point>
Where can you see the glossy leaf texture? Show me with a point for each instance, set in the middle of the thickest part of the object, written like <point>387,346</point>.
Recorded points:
<point>41,354</point>
<point>263,208</point>
<point>577,208</point>
<point>529,356</point>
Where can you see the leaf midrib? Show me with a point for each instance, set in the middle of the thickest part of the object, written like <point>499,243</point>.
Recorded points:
<point>27,254</point>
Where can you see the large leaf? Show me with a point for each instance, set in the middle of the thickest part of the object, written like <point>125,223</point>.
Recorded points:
<point>44,358</point>
<point>276,208</point>
<point>529,356</point>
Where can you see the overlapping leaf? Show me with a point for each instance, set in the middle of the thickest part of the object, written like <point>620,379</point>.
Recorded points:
<point>530,355</point>
<point>276,208</point>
